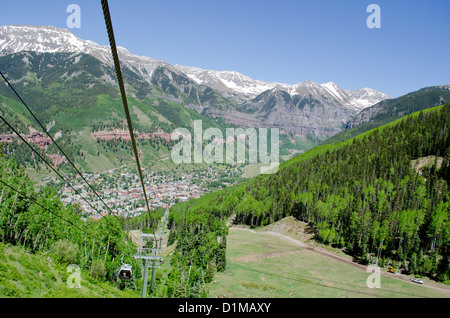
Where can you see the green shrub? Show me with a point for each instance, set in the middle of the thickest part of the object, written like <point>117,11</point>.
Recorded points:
<point>64,252</point>
<point>97,269</point>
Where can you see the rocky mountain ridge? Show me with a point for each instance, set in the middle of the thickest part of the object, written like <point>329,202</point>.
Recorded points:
<point>300,109</point>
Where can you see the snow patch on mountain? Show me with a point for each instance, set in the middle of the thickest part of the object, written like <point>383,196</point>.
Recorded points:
<point>48,39</point>
<point>239,84</point>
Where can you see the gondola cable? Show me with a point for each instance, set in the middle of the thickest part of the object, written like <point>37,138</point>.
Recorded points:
<point>47,163</point>
<point>112,41</point>
<point>51,138</point>
<point>46,209</point>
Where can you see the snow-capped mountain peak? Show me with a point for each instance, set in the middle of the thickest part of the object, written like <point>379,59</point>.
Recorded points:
<point>366,97</point>
<point>239,85</point>
<point>48,39</point>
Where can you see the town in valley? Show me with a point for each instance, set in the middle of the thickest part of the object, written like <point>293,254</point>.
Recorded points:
<point>122,191</point>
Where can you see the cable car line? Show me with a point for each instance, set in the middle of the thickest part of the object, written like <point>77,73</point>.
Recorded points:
<point>47,209</point>
<point>46,162</point>
<point>112,41</point>
<point>51,138</point>
<point>68,159</point>
<point>125,267</point>
<point>92,235</point>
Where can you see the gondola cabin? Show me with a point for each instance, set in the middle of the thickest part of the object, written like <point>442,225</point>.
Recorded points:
<point>126,272</point>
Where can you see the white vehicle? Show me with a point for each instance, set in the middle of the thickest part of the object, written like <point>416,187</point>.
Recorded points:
<point>417,281</point>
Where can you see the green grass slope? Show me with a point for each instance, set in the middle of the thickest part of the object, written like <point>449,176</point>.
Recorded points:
<point>27,275</point>
<point>264,265</point>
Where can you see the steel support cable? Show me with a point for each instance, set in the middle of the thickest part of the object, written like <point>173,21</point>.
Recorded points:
<point>46,162</point>
<point>94,236</point>
<point>112,42</point>
<point>49,165</point>
<point>48,210</point>
<point>51,138</point>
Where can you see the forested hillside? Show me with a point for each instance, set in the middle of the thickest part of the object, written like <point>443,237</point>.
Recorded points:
<point>39,223</point>
<point>199,236</point>
<point>370,196</point>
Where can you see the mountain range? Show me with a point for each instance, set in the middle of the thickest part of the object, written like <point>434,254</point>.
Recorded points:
<point>63,77</point>
<point>245,88</point>
<point>302,109</point>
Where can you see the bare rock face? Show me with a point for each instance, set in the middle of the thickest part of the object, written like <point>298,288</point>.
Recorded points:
<point>298,109</point>
<point>297,114</point>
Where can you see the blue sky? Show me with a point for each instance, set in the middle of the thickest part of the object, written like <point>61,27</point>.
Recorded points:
<point>285,41</point>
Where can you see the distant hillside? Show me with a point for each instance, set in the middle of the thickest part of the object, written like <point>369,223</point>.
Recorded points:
<point>389,110</point>
<point>75,97</point>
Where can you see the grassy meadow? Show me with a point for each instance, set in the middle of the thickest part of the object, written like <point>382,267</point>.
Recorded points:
<point>263,265</point>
